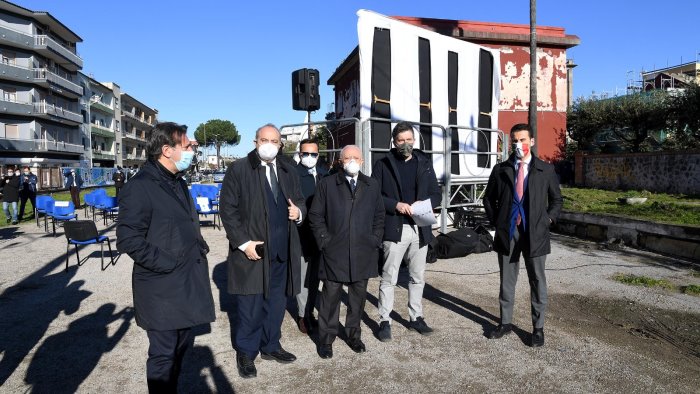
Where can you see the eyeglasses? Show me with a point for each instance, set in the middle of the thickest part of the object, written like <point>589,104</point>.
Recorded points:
<point>306,154</point>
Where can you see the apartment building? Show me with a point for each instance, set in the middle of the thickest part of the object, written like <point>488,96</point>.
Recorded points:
<point>101,121</point>
<point>40,94</point>
<point>137,119</point>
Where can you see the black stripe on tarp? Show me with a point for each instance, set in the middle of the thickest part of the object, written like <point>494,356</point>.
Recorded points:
<point>381,90</point>
<point>452,84</point>
<point>485,107</point>
<point>425,95</point>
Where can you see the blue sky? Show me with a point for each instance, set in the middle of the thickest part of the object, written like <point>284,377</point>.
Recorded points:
<point>205,59</point>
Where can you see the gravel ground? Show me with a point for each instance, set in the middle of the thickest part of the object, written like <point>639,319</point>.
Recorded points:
<point>68,331</point>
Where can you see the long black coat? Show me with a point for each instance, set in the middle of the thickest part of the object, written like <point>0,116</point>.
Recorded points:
<point>542,203</point>
<point>348,228</point>
<point>386,172</point>
<point>308,188</point>
<point>243,209</point>
<point>170,280</point>
<point>10,190</point>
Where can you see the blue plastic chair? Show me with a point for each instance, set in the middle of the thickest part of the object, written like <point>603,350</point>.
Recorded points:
<point>84,232</point>
<point>212,193</point>
<point>62,213</point>
<point>207,210</point>
<point>41,206</point>
<point>107,206</point>
<point>89,199</point>
<point>48,211</point>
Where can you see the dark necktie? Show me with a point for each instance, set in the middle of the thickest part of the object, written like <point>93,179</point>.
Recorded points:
<point>520,186</point>
<point>353,185</point>
<point>274,185</point>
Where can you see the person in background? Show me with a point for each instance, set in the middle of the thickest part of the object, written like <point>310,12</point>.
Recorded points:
<point>310,173</point>
<point>27,190</point>
<point>74,182</point>
<point>10,195</point>
<point>119,178</point>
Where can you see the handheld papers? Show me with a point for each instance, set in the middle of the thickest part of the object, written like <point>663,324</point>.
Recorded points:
<point>423,213</point>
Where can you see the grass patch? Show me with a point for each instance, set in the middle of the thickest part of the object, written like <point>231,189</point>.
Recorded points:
<point>645,281</point>
<point>59,196</point>
<point>691,289</point>
<point>659,207</point>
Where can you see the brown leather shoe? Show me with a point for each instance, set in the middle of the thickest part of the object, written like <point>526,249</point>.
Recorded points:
<point>302,324</point>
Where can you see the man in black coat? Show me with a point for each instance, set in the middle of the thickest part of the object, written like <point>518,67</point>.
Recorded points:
<point>405,176</point>
<point>10,195</point>
<point>522,200</point>
<point>74,182</point>
<point>119,178</point>
<point>158,228</point>
<point>310,173</point>
<point>347,218</point>
<point>261,206</point>
<point>27,190</point>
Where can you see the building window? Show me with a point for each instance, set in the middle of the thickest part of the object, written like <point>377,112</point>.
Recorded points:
<point>9,57</point>
<point>116,125</point>
<point>12,131</point>
<point>9,94</point>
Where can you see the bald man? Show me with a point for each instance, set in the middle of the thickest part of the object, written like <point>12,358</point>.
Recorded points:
<point>347,219</point>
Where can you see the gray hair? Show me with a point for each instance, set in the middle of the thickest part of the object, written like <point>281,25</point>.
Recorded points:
<point>342,151</point>
<point>257,132</point>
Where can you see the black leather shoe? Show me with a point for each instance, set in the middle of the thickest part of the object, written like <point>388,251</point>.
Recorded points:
<point>281,356</point>
<point>500,331</point>
<point>325,351</point>
<point>357,345</point>
<point>303,325</point>
<point>537,337</point>
<point>384,333</point>
<point>246,366</point>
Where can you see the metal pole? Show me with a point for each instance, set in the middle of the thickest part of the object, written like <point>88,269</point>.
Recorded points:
<point>532,113</point>
<point>206,158</point>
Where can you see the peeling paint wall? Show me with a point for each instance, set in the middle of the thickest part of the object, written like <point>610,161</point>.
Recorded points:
<point>515,79</point>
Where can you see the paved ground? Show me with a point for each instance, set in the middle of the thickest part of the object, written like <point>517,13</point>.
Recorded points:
<point>74,331</point>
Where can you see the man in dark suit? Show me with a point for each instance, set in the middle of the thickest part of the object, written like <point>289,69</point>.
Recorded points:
<point>522,200</point>
<point>158,228</point>
<point>27,190</point>
<point>74,182</point>
<point>119,178</point>
<point>310,173</point>
<point>405,176</point>
<point>261,206</point>
<point>347,218</point>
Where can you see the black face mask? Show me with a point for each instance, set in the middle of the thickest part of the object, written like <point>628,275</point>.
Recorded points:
<point>404,150</point>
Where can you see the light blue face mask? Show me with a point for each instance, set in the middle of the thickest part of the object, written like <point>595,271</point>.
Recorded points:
<point>185,160</point>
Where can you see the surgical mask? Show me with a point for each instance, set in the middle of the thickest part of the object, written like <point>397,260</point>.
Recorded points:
<point>26,173</point>
<point>405,149</point>
<point>185,160</point>
<point>351,168</point>
<point>309,162</point>
<point>10,173</point>
<point>17,173</point>
<point>268,151</point>
<point>521,150</point>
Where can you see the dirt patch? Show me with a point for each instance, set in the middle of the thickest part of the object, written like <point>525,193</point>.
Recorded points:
<point>658,333</point>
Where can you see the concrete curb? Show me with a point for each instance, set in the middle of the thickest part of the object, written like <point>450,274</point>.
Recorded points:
<point>674,240</point>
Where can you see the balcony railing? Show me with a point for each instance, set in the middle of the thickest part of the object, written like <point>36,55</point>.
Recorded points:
<point>97,104</point>
<point>41,42</point>
<point>141,119</point>
<point>44,74</point>
<point>27,145</point>
<point>41,76</point>
<point>133,136</point>
<point>44,108</point>
<point>101,130</point>
<point>102,154</point>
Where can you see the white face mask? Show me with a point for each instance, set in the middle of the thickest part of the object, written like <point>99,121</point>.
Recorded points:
<point>268,151</point>
<point>309,162</point>
<point>351,168</point>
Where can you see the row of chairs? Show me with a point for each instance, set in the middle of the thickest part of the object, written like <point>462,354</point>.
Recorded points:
<point>56,211</point>
<point>98,201</point>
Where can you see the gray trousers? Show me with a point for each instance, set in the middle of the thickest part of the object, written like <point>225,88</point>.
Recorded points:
<point>394,253</point>
<point>510,266</point>
<point>306,299</point>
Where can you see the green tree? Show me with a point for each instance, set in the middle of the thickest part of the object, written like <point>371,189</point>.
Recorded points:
<point>634,117</point>
<point>584,121</point>
<point>684,119</point>
<point>217,133</point>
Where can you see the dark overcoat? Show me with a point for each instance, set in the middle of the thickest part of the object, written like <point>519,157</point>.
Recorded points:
<point>542,205</point>
<point>244,211</point>
<point>170,279</point>
<point>348,228</point>
<point>10,188</point>
<point>308,188</point>
<point>386,172</point>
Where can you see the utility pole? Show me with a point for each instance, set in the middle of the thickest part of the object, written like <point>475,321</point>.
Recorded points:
<point>532,113</point>
<point>206,158</point>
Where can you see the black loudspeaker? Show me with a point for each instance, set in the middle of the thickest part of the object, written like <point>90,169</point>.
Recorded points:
<point>305,95</point>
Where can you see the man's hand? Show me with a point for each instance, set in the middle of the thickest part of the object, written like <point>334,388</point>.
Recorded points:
<point>293,210</point>
<point>250,250</point>
<point>404,209</point>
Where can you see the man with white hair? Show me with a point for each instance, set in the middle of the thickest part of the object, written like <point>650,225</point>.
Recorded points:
<point>347,219</point>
